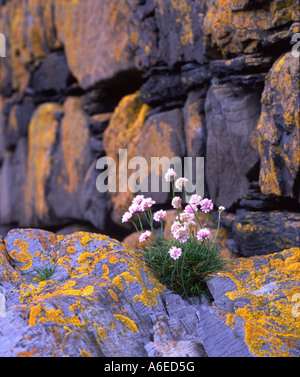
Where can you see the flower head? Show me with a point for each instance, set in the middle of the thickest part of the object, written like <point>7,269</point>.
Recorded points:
<point>144,236</point>
<point>175,252</point>
<point>170,175</point>
<point>138,199</point>
<point>134,208</point>
<point>203,234</point>
<point>180,232</point>
<point>147,203</point>
<point>126,217</point>
<point>191,208</point>
<point>176,202</point>
<point>180,183</point>
<point>207,205</point>
<point>221,209</point>
<point>195,200</point>
<point>186,216</point>
<point>159,215</point>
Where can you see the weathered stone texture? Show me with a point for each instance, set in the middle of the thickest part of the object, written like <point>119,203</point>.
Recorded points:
<point>103,301</point>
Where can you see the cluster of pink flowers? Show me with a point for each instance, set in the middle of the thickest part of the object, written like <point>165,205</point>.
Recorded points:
<point>139,204</point>
<point>175,252</point>
<point>187,220</point>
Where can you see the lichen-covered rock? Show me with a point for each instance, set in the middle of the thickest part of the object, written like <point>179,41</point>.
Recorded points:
<point>97,303</point>
<point>102,300</point>
<point>232,114</point>
<point>257,233</point>
<point>261,319</point>
<point>41,142</point>
<point>98,38</point>
<point>234,27</point>
<point>279,130</point>
<point>160,135</point>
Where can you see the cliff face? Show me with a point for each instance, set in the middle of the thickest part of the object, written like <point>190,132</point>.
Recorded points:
<point>213,79</point>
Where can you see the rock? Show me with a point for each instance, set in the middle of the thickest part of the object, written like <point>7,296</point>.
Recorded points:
<point>38,36</point>
<point>166,134</point>
<point>194,122</point>
<point>237,27</point>
<point>51,78</point>
<point>102,310</point>
<point>98,48</point>
<point>180,31</point>
<point>17,122</point>
<point>124,133</point>
<point>165,86</point>
<point>264,325</point>
<point>70,162</point>
<point>257,233</point>
<point>231,116</point>
<point>278,131</point>
<point>42,140</point>
<point>103,301</point>
<point>130,130</point>
<point>12,177</point>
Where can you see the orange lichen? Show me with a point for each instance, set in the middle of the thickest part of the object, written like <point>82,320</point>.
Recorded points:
<point>27,353</point>
<point>41,139</point>
<point>270,327</point>
<point>129,323</point>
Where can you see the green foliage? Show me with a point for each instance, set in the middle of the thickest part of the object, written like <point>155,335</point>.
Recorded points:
<point>187,275</point>
<point>44,273</point>
<point>185,262</point>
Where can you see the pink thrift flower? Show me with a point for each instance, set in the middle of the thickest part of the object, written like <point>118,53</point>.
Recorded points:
<point>170,175</point>
<point>144,236</point>
<point>175,226</point>
<point>191,208</point>
<point>147,203</point>
<point>181,234</point>
<point>190,224</point>
<point>180,183</point>
<point>175,252</point>
<point>134,208</point>
<point>126,217</point>
<point>203,234</point>
<point>138,199</point>
<point>158,216</point>
<point>186,217</point>
<point>176,202</point>
<point>195,200</point>
<point>207,205</point>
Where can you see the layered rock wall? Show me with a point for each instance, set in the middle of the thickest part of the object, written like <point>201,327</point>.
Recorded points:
<point>206,78</point>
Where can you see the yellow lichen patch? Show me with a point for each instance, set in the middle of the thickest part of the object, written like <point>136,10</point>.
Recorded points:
<point>118,281</point>
<point>124,131</point>
<point>271,329</point>
<point>85,239</point>
<point>76,305</point>
<point>105,273</point>
<point>148,297</point>
<point>35,312</point>
<point>101,333</point>
<point>129,323</point>
<point>113,294</point>
<point>40,314</point>
<point>87,291</point>
<point>85,353</point>
<point>41,138</point>
<point>183,11</point>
